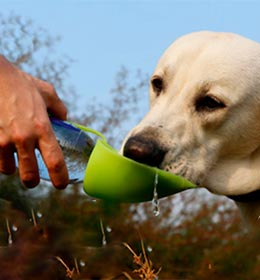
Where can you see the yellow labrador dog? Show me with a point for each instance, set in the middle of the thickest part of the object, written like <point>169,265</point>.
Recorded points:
<point>204,118</point>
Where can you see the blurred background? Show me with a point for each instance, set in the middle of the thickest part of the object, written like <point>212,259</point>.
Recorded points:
<point>99,56</point>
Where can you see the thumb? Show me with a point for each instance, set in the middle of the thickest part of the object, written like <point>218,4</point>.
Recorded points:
<point>52,101</point>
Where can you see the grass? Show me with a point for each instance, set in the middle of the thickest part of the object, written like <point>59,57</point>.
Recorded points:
<point>145,269</point>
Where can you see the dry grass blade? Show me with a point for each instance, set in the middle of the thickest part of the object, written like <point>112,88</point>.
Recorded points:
<point>145,270</point>
<point>69,272</point>
<point>10,240</point>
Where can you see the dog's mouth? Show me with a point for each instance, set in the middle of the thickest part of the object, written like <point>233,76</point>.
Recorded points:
<point>248,197</point>
<point>148,152</point>
<point>145,150</point>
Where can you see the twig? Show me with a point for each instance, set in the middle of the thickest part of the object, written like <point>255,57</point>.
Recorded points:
<point>34,218</point>
<point>145,270</point>
<point>76,266</point>
<point>104,241</point>
<point>10,240</point>
<point>69,273</point>
<point>127,276</point>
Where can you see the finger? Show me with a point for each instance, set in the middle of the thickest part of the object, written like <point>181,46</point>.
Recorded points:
<point>54,161</point>
<point>7,162</point>
<point>24,143</point>
<point>28,167</point>
<point>54,104</point>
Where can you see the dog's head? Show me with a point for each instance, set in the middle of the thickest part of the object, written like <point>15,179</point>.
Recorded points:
<point>204,118</point>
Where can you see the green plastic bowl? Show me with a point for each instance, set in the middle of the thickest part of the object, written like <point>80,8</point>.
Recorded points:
<point>112,177</point>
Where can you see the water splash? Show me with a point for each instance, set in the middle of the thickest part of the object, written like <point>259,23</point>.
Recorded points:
<point>155,201</point>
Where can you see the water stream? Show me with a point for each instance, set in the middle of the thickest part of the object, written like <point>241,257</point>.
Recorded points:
<point>155,201</point>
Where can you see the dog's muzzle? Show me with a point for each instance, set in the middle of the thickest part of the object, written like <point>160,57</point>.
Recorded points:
<point>144,151</point>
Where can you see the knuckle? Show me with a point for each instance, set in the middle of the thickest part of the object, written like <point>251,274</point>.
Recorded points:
<point>52,89</point>
<point>63,111</point>
<point>55,164</point>
<point>20,138</point>
<point>5,142</point>
<point>48,88</point>
<point>44,86</point>
<point>42,126</point>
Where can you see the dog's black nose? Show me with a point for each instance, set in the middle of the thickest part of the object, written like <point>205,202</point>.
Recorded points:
<point>144,151</point>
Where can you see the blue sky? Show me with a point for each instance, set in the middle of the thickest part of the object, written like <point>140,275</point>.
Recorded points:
<point>103,35</point>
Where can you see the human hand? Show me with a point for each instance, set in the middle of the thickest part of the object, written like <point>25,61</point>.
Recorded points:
<point>25,102</point>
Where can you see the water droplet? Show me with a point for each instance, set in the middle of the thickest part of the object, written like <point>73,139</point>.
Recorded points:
<point>155,201</point>
<point>82,263</point>
<point>14,228</point>
<point>149,249</point>
<point>10,240</point>
<point>39,214</point>
<point>104,241</point>
<point>108,229</point>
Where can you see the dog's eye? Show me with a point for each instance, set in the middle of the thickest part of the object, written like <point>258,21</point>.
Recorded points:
<point>157,84</point>
<point>209,103</point>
